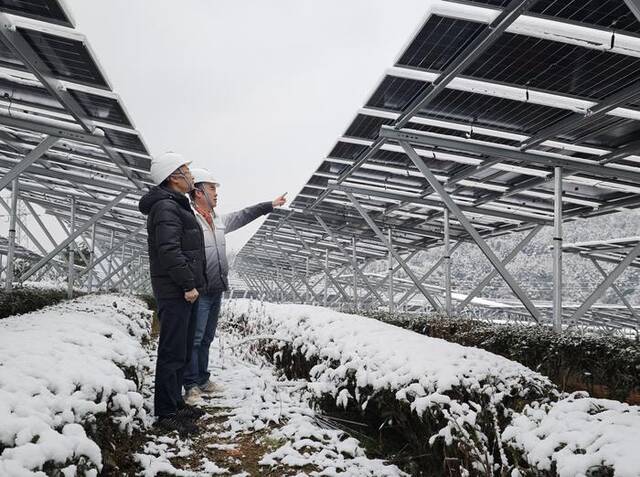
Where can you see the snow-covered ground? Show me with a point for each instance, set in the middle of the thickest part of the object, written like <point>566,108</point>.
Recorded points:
<point>61,367</point>
<point>260,424</point>
<point>359,357</point>
<point>579,435</point>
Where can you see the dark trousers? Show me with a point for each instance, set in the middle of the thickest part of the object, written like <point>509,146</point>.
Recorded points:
<point>177,328</point>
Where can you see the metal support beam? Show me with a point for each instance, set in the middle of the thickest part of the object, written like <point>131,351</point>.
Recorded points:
<point>381,237</point>
<point>557,250</point>
<point>508,154</point>
<point>611,278</point>
<point>383,281</point>
<point>482,244</point>
<point>112,249</point>
<point>312,254</point>
<point>38,220</point>
<point>92,258</point>
<point>121,267</point>
<point>326,279</point>
<point>29,159</point>
<point>412,291</point>
<point>575,121</point>
<point>11,248</point>
<point>390,271</point>
<point>486,280</point>
<point>293,270</point>
<point>344,252</point>
<point>354,265</point>
<point>447,265</point>
<point>615,288</point>
<point>62,245</point>
<point>72,248</point>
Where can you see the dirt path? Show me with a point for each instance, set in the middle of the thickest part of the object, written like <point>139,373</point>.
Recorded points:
<point>259,425</point>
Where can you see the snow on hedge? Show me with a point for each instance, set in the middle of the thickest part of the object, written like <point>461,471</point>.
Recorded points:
<point>59,368</point>
<point>467,390</point>
<point>538,430</point>
<point>578,436</point>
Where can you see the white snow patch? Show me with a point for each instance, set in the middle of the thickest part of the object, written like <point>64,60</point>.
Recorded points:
<point>61,366</point>
<point>579,434</point>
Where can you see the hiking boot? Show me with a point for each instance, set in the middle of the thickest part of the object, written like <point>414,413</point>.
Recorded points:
<point>211,388</point>
<point>192,396</point>
<point>183,427</point>
<point>190,412</point>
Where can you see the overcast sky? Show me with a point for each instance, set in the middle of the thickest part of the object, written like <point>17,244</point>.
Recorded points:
<point>256,91</point>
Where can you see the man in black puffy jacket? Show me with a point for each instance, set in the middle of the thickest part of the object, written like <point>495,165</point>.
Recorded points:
<point>177,264</point>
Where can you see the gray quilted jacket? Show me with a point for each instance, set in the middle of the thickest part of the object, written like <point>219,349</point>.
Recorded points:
<point>217,267</point>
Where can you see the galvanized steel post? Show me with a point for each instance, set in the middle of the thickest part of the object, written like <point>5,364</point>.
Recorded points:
<point>557,251</point>
<point>72,246</point>
<point>11,249</point>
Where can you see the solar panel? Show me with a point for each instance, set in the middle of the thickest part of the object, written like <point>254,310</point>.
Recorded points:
<point>67,58</point>
<point>439,41</point>
<point>43,10</point>
<point>554,66</point>
<point>612,14</point>
<point>366,127</point>
<point>101,108</point>
<point>125,140</point>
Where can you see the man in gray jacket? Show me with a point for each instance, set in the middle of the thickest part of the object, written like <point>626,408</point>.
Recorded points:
<point>204,199</point>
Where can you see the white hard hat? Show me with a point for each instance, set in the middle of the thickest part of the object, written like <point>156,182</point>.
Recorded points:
<point>166,164</point>
<point>203,175</point>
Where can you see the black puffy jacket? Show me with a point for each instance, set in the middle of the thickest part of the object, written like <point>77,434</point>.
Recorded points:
<point>176,245</point>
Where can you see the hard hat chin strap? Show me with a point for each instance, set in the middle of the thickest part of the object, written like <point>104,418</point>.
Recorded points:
<point>184,177</point>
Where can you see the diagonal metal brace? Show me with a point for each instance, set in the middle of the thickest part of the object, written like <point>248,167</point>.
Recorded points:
<point>484,247</point>
<point>611,278</point>
<point>396,255</point>
<point>356,269</point>
<point>486,280</point>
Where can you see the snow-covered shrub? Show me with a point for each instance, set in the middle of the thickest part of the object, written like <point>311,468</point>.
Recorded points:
<point>27,299</point>
<point>446,402</point>
<point>605,365</point>
<point>64,369</point>
<point>577,436</point>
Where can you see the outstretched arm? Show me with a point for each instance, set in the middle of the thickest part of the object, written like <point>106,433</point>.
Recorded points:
<point>235,220</point>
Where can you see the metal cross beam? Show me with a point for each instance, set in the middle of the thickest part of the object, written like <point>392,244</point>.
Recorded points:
<point>482,244</point>
<point>508,154</point>
<point>346,254</point>
<point>282,276</point>
<point>396,268</point>
<point>615,288</point>
<point>29,159</point>
<point>111,250</point>
<point>434,203</point>
<point>412,291</point>
<point>116,271</point>
<point>293,269</point>
<point>611,278</point>
<point>576,121</point>
<point>396,255</point>
<point>82,229</point>
<point>486,280</point>
<point>312,254</point>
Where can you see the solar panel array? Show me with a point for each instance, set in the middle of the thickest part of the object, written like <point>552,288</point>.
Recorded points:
<point>52,85</point>
<point>558,84</point>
